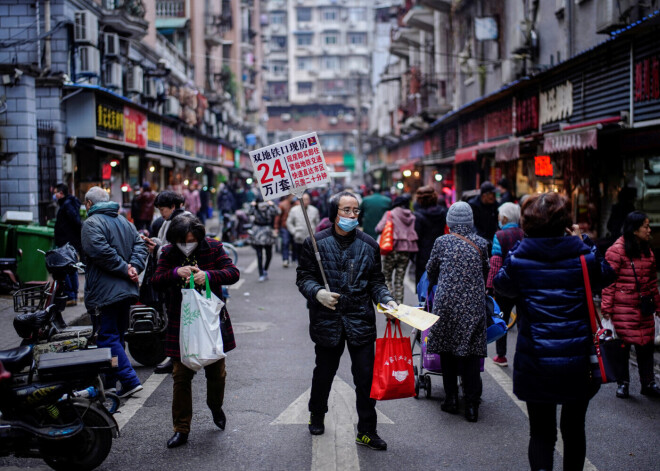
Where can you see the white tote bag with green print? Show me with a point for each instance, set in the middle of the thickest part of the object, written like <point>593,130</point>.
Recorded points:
<point>200,340</point>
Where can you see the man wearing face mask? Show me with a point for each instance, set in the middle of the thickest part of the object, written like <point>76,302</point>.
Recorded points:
<point>115,255</point>
<point>345,314</point>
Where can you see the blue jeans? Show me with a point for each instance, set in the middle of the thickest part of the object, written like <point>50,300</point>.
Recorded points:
<point>286,240</point>
<point>111,324</point>
<point>71,285</point>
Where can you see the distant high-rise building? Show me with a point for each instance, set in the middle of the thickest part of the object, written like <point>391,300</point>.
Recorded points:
<point>318,74</point>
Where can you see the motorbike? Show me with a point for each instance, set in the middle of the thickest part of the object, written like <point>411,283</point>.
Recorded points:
<point>54,409</point>
<point>40,307</point>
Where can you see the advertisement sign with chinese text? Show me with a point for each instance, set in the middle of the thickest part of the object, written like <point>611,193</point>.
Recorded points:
<point>296,163</point>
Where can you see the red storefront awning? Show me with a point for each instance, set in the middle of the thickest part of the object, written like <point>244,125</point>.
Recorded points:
<point>468,154</point>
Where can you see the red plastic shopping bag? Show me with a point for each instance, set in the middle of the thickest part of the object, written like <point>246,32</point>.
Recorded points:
<point>393,367</point>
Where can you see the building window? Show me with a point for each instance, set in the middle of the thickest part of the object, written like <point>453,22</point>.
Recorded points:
<point>330,39</point>
<point>332,142</point>
<point>357,14</point>
<point>304,39</point>
<point>330,62</point>
<point>279,42</point>
<point>329,14</point>
<point>278,67</point>
<point>277,18</point>
<point>304,88</point>
<point>277,90</point>
<point>304,14</point>
<point>358,39</point>
<point>304,63</point>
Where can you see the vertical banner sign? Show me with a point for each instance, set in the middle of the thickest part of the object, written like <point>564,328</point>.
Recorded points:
<point>135,127</point>
<point>289,165</point>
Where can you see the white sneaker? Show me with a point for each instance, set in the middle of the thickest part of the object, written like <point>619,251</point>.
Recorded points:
<point>262,278</point>
<point>285,264</point>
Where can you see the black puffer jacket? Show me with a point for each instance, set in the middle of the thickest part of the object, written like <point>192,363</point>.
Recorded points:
<point>355,273</point>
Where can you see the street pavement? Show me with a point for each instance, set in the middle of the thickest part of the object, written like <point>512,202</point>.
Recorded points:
<point>268,381</point>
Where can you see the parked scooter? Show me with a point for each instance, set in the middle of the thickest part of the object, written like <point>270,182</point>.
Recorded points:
<point>55,411</point>
<point>8,274</point>
<point>41,306</point>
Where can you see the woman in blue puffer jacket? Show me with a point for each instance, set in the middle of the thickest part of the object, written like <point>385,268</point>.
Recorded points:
<point>552,366</point>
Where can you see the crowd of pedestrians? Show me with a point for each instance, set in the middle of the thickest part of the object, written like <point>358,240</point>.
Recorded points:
<point>528,257</point>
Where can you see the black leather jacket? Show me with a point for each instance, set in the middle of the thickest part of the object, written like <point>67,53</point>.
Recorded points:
<point>355,272</point>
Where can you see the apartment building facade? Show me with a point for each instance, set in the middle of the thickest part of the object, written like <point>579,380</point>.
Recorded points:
<point>318,75</point>
<point>555,96</point>
<point>118,93</point>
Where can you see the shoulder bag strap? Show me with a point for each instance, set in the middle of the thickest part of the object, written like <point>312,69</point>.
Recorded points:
<point>468,241</point>
<point>637,285</point>
<point>595,322</point>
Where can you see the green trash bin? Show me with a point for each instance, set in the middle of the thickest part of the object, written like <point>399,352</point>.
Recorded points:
<point>31,239</point>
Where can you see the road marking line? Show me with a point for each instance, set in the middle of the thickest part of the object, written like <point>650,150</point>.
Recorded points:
<point>336,449</point>
<point>236,285</point>
<point>506,383</point>
<point>135,403</point>
<point>251,267</point>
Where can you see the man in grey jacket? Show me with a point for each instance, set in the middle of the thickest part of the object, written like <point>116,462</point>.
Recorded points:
<point>115,255</point>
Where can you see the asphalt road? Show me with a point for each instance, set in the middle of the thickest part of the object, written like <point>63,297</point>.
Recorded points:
<point>268,380</point>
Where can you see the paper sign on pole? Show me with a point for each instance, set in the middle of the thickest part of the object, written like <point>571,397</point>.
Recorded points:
<point>412,316</point>
<point>289,165</point>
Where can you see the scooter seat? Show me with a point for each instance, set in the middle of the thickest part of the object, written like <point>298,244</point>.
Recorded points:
<point>16,359</point>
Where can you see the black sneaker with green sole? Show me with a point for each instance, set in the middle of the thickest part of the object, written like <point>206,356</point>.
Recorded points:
<point>372,440</point>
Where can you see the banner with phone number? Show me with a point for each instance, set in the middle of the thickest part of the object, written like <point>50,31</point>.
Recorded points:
<point>289,165</point>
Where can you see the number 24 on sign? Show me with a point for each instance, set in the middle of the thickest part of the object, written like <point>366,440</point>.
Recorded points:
<point>277,171</point>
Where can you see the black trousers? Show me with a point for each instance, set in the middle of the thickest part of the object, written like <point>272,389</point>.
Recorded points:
<point>469,369</point>
<point>362,367</point>
<point>644,364</point>
<point>269,255</point>
<point>543,434</point>
<point>506,304</point>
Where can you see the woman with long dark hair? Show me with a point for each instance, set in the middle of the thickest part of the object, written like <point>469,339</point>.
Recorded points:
<point>552,363</point>
<point>633,261</point>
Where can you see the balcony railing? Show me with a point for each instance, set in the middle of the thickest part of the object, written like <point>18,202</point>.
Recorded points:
<point>170,8</point>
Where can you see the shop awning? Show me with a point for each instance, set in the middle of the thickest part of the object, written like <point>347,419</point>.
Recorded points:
<point>508,151</point>
<point>469,154</point>
<point>582,138</point>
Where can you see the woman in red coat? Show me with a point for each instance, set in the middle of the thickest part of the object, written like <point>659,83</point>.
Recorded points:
<point>631,257</point>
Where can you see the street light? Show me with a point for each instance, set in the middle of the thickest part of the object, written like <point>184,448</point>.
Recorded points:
<point>199,169</point>
<point>438,177</point>
<point>407,173</point>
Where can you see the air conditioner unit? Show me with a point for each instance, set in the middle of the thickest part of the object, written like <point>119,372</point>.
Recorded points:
<point>86,28</point>
<point>111,42</point>
<point>135,79</point>
<point>150,88</point>
<point>286,117</point>
<point>172,106</point>
<point>609,15</point>
<point>113,75</point>
<point>333,121</point>
<point>349,118</point>
<point>511,70</point>
<point>89,61</point>
<point>313,72</point>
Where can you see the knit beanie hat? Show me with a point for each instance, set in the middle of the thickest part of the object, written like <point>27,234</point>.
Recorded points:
<point>459,213</point>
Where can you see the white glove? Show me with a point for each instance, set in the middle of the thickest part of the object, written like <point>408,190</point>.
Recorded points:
<point>391,305</point>
<point>327,298</point>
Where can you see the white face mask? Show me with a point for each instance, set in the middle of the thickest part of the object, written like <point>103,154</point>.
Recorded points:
<point>187,248</point>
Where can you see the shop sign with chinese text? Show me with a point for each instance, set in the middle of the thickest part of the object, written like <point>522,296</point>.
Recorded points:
<point>297,163</point>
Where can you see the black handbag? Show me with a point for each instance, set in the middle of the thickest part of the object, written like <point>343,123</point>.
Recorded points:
<point>149,296</point>
<point>646,301</point>
<point>608,353</point>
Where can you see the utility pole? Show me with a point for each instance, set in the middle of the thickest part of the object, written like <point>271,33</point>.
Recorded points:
<point>359,163</point>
